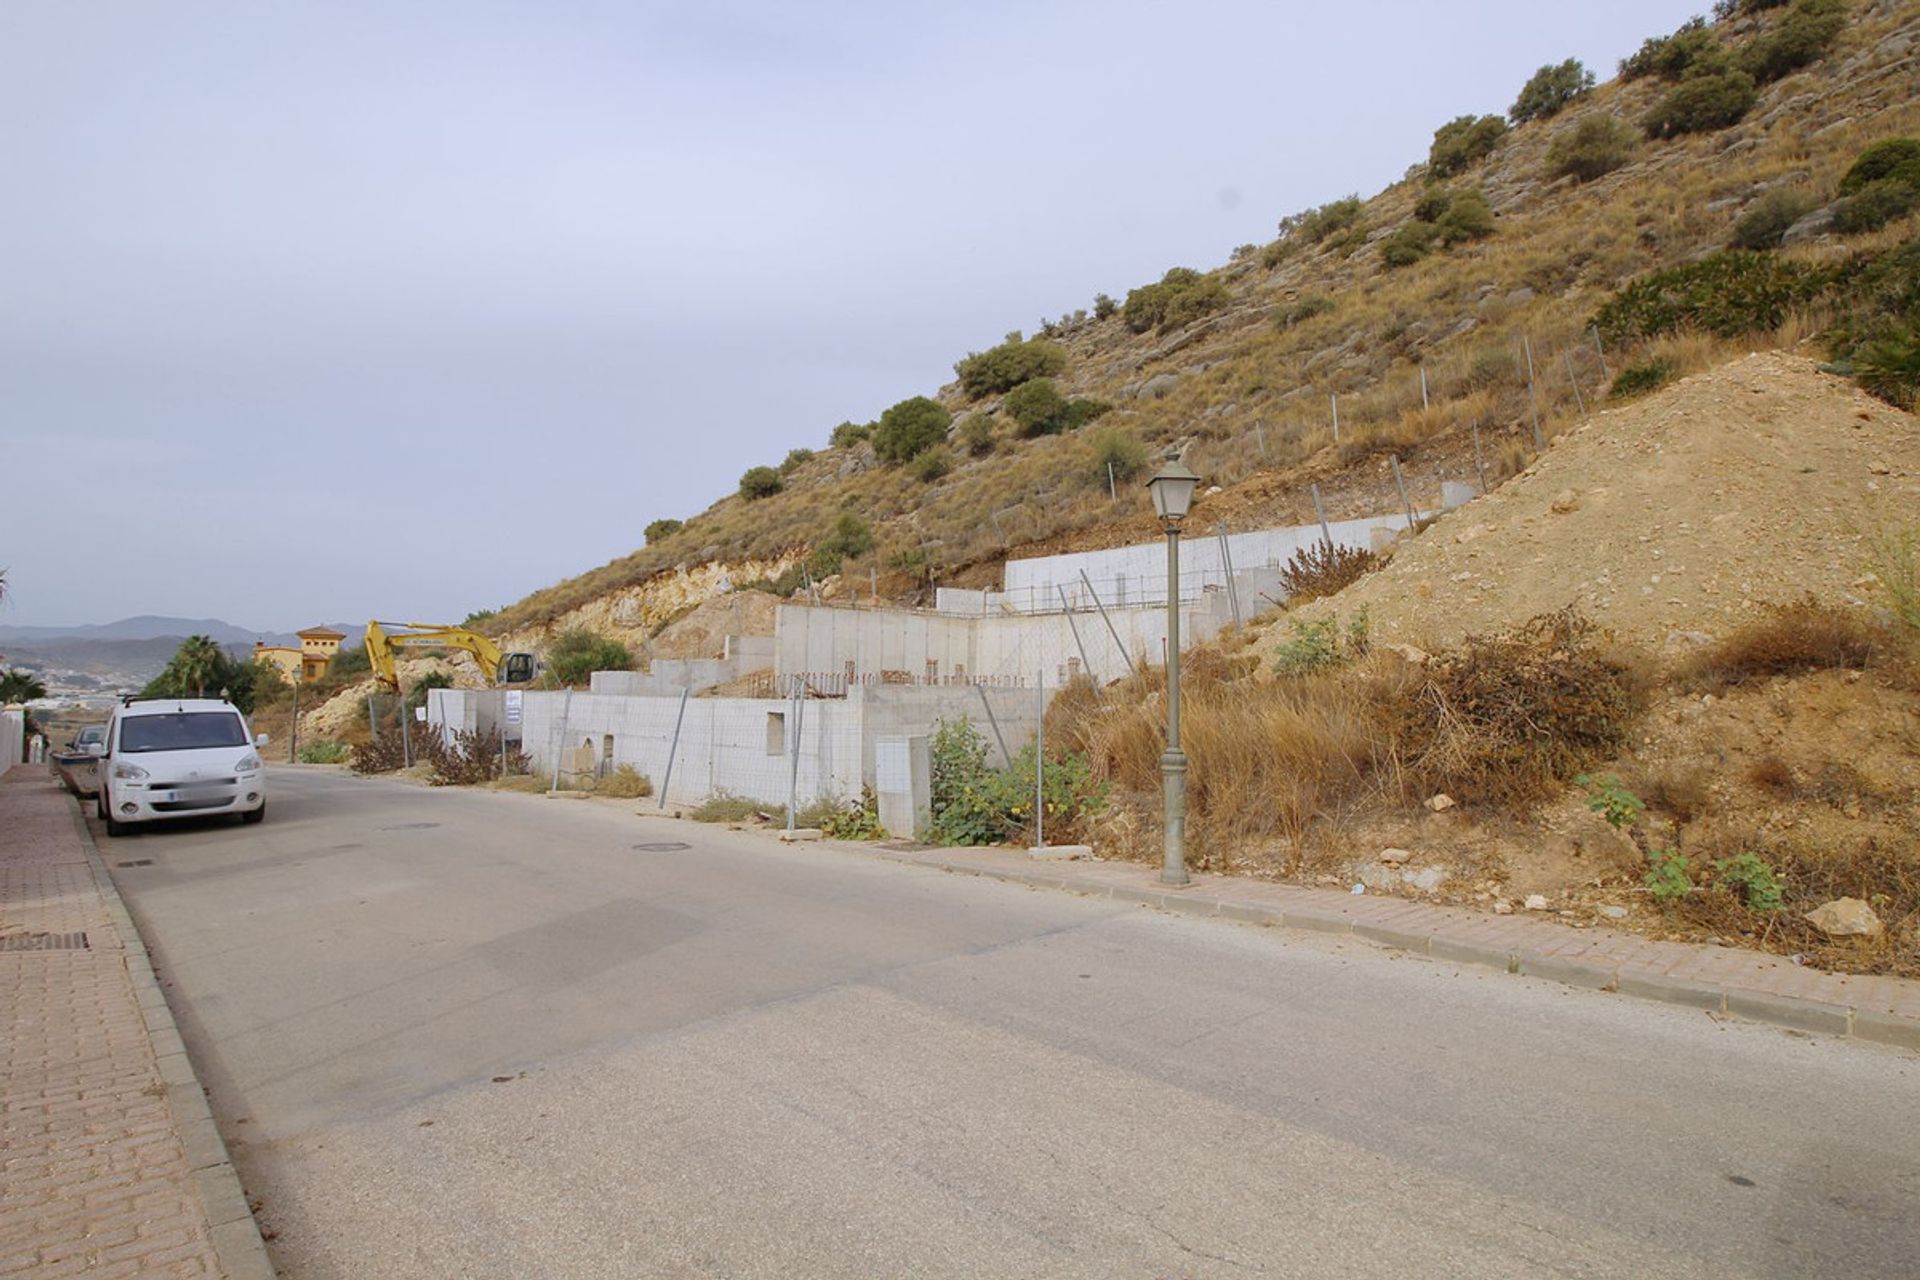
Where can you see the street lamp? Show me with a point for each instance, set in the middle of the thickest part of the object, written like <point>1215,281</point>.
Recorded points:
<point>1172,489</point>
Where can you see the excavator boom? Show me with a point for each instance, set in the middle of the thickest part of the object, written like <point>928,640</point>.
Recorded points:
<point>385,638</point>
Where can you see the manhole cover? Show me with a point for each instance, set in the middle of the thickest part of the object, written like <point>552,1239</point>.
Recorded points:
<point>135,862</point>
<point>44,942</point>
<point>662,846</point>
<point>410,826</point>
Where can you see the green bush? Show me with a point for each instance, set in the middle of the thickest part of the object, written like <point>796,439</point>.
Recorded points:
<point>1878,332</point>
<point>1321,646</point>
<point>662,528</point>
<point>579,653</point>
<point>1103,306</point>
<point>325,751</point>
<point>1766,220</point>
<point>847,819</point>
<point>795,459</point>
<point>1897,158</point>
<point>1316,224</point>
<point>1667,875</point>
<point>1551,88</point>
<point>1757,883</point>
<point>975,804</point>
<point>1671,57</point>
<point>1432,204</point>
<point>1727,295</point>
<point>1702,103</point>
<point>1591,149</point>
<point>1302,309</point>
<point>724,806</point>
<point>1468,216</point>
<point>1038,408</point>
<point>1182,296</point>
<point>1118,450</point>
<point>1082,410</point>
<point>417,696</point>
<point>1002,368</point>
<point>1887,364</point>
<point>910,428</point>
<point>1461,142</point>
<point>976,434</point>
<point>349,662</point>
<point>1639,379</point>
<point>760,482</point>
<point>1874,206</point>
<point>931,464</point>
<point>851,537</point>
<point>1800,38</point>
<point>848,434</point>
<point>1409,244</point>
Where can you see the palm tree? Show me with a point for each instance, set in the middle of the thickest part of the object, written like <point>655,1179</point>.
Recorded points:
<point>199,663</point>
<point>20,686</point>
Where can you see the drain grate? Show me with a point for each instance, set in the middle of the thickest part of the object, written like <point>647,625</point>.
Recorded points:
<point>45,942</point>
<point>135,862</point>
<point>663,846</point>
<point>411,826</point>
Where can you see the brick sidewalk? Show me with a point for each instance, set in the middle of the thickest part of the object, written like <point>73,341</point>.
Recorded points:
<point>1722,980</point>
<point>109,1162</point>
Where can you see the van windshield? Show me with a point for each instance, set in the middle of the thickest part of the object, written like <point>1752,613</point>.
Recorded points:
<point>182,731</point>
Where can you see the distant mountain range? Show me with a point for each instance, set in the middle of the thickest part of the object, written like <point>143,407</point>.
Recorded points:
<point>153,627</point>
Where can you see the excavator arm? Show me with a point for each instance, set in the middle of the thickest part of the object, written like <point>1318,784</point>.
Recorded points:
<point>382,645</point>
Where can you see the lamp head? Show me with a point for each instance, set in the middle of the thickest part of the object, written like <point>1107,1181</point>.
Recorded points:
<point>1172,488</point>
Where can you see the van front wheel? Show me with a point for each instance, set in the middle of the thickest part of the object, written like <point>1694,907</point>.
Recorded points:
<point>255,815</point>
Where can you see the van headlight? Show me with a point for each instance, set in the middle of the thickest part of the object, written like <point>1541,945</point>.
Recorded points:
<point>248,763</point>
<point>130,772</point>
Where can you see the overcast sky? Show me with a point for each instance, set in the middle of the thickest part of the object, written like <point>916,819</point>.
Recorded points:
<point>329,311</point>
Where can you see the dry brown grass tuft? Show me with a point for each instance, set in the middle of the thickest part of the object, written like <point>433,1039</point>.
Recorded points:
<point>1804,635</point>
<point>1323,568</point>
<point>1771,773</point>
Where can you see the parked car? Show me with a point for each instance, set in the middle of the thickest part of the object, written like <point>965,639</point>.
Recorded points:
<point>178,758</point>
<point>77,764</point>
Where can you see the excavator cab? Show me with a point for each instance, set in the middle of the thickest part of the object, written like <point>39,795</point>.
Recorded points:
<point>516,668</point>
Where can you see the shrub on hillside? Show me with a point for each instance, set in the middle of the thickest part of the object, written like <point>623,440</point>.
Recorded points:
<point>1800,38</point>
<point>1323,568</point>
<point>1302,309</point>
<point>1316,224</point>
<point>1874,206</point>
<point>1727,295</point>
<point>1118,450</point>
<point>1639,379</point>
<point>348,663</point>
<point>760,482</point>
<point>1014,361</point>
<point>1878,331</point>
<point>1887,364</point>
<point>910,427</point>
<point>663,528</point>
<point>1468,216</point>
<point>848,434</point>
<point>324,751</point>
<point>1897,158</point>
<point>1104,306</point>
<point>417,695</point>
<point>931,464</point>
<point>974,803</point>
<point>1550,89</point>
<point>1766,220</point>
<point>1671,57</point>
<point>976,434</point>
<point>1463,141</point>
<point>1180,297</point>
<point>1410,243</point>
<point>578,653</point>
<point>851,537</point>
<point>1591,149</point>
<point>1702,103</point>
<point>795,459</point>
<point>1038,408</point>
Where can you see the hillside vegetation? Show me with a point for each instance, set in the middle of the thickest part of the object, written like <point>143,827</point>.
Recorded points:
<point>1527,241</point>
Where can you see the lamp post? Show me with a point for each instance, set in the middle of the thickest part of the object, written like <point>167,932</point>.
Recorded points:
<point>1172,489</point>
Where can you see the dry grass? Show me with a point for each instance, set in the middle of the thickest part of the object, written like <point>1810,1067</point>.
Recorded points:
<point>1804,635</point>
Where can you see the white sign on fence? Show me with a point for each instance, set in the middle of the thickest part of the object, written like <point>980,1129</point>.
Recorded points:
<point>513,706</point>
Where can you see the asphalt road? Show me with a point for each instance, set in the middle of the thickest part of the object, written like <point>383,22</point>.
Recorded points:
<point>470,1034</point>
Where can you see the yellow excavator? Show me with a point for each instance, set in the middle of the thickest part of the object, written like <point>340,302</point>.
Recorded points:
<point>384,638</point>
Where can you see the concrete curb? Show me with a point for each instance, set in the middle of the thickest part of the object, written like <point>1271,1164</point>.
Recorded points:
<point>237,1245</point>
<point>1419,928</point>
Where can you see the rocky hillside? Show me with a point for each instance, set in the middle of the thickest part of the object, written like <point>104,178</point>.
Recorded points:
<point>1452,315</point>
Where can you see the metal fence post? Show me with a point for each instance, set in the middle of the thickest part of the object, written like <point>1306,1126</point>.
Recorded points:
<point>1400,483</point>
<point>1320,514</point>
<point>987,705</point>
<point>1039,759</point>
<point>1571,377</point>
<point>673,748</point>
<point>1125,660</point>
<point>1226,561</point>
<point>1335,398</point>
<point>293,733</point>
<point>1533,401</point>
<point>793,758</point>
<point>1479,461</point>
<point>1075,628</point>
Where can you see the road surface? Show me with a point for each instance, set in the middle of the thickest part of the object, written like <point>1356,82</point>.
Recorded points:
<point>471,1034</point>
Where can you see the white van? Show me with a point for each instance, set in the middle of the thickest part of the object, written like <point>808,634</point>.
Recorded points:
<point>178,758</point>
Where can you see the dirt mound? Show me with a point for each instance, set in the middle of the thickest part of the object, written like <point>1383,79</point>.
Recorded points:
<point>1668,519</point>
<point>703,632</point>
<point>337,714</point>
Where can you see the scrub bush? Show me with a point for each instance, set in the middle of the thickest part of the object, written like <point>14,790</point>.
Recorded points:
<point>910,428</point>
<point>1549,90</point>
